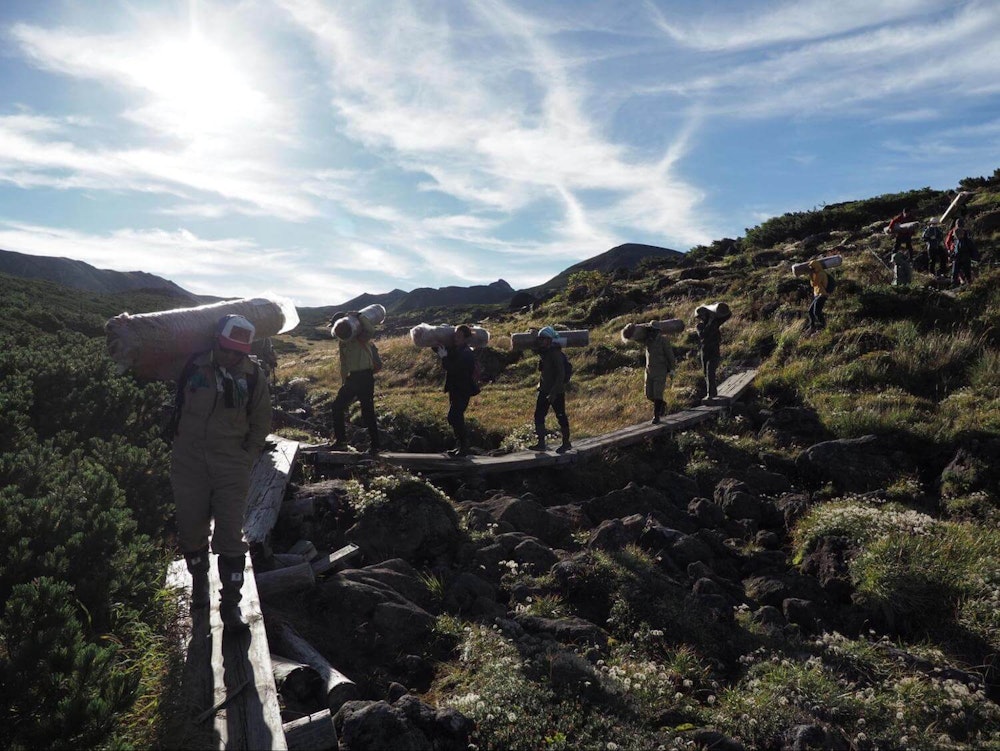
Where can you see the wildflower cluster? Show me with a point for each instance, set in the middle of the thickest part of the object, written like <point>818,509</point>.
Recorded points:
<point>860,522</point>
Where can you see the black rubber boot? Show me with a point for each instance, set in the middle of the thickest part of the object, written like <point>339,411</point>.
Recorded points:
<point>197,565</point>
<point>539,445</point>
<point>231,572</point>
<point>566,445</point>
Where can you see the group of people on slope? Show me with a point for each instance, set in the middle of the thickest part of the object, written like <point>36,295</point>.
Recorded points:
<point>957,246</point>
<point>222,416</point>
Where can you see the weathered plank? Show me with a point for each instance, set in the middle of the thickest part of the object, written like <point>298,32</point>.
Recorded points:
<point>337,560</point>
<point>230,671</point>
<point>314,732</point>
<point>253,719</point>
<point>268,481</point>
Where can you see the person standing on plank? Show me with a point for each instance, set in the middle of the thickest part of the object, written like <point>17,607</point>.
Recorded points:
<point>660,363</point>
<point>222,416</point>
<point>357,377</point>
<point>552,368</point>
<point>459,363</point>
<point>710,339</point>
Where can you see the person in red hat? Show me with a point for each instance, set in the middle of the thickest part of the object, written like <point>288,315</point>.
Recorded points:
<point>222,417</point>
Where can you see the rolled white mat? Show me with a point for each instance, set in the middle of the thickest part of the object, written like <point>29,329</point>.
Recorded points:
<point>960,200</point>
<point>374,313</point>
<point>717,310</point>
<point>908,228</point>
<point>830,262</point>
<point>428,335</point>
<point>636,331</point>
<point>157,345</point>
<point>529,340</point>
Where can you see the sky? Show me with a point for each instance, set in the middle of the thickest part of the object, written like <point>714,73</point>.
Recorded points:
<point>318,149</point>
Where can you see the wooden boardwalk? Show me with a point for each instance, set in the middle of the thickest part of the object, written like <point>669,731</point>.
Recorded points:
<point>730,390</point>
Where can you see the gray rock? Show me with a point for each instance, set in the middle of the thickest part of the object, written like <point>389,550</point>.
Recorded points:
<point>802,613</point>
<point>569,670</point>
<point>536,556</point>
<point>680,489</point>
<point>689,549</point>
<point>855,465</point>
<point>765,482</point>
<point>418,528</point>
<point>377,726</point>
<point>528,516</point>
<point>632,499</point>
<point>768,615</point>
<point>463,593</point>
<point>615,534</point>
<point>708,513</point>
<point>570,630</point>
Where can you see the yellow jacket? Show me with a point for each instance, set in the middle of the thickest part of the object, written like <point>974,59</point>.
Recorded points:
<point>817,278</point>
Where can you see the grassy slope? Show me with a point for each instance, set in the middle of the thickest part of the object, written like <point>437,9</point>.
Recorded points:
<point>913,363</point>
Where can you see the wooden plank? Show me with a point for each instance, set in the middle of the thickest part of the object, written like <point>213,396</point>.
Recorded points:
<point>336,561</point>
<point>252,719</point>
<point>268,481</point>
<point>314,732</point>
<point>338,687</point>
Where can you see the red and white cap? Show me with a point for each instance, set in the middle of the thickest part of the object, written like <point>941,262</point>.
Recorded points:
<point>235,333</point>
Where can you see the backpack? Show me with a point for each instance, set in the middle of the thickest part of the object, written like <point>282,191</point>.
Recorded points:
<point>567,367</point>
<point>186,373</point>
<point>831,282</point>
<point>376,358</point>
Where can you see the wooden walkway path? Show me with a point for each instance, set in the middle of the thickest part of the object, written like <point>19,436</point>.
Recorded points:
<point>730,390</point>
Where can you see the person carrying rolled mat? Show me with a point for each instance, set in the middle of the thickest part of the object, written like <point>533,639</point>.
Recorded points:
<point>551,389</point>
<point>710,339</point>
<point>222,417</point>
<point>357,376</point>
<point>459,363</point>
<point>818,282</point>
<point>660,363</point>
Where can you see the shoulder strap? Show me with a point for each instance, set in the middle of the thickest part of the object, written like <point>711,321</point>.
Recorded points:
<point>186,372</point>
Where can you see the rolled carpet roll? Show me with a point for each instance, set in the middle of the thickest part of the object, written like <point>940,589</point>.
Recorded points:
<point>717,310</point>
<point>528,340</point>
<point>830,262</point>
<point>374,313</point>
<point>429,335</point>
<point>155,346</point>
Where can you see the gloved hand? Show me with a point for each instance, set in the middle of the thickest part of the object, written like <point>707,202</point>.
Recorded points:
<point>441,351</point>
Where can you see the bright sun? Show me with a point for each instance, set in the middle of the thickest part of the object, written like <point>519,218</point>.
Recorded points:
<point>198,90</point>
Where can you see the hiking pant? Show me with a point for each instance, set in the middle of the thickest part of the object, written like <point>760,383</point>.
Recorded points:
<point>902,240</point>
<point>961,267</point>
<point>360,385</point>
<point>210,482</point>
<point>816,317</point>
<point>558,405</point>
<point>458,403</point>
<point>937,258</point>
<point>709,365</point>
<point>655,386</point>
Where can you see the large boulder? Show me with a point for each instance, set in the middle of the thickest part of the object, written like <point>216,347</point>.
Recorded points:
<point>636,499</point>
<point>378,726</point>
<point>420,527</point>
<point>855,465</point>
<point>615,534</point>
<point>680,489</point>
<point>529,516</point>
<point>572,630</point>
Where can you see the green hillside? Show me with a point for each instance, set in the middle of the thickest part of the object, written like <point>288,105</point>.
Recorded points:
<point>818,568</point>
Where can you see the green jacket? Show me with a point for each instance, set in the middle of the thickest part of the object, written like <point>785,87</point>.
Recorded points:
<point>552,372</point>
<point>356,353</point>
<point>206,421</point>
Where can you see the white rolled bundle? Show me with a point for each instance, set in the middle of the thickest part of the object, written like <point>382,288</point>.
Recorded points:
<point>157,345</point>
<point>903,229</point>
<point>718,310</point>
<point>830,262</point>
<point>529,340</point>
<point>428,335</point>
<point>637,331</point>
<point>960,200</point>
<point>374,313</point>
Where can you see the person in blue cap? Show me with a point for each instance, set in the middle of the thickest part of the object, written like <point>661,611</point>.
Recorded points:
<point>552,368</point>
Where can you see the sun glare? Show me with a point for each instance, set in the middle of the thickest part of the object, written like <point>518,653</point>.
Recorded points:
<point>198,90</point>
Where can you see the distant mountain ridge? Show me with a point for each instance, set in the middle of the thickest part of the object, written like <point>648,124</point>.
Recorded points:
<point>626,256</point>
<point>83,276</point>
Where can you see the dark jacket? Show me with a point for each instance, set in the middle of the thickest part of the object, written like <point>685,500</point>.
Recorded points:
<point>459,365</point>
<point>710,338</point>
<point>552,378</point>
